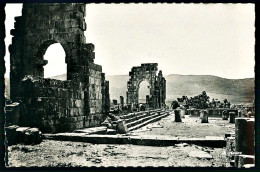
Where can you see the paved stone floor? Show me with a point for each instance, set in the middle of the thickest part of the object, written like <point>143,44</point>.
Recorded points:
<point>189,127</point>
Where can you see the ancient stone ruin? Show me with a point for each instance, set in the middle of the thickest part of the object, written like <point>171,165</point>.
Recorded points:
<point>49,104</point>
<point>157,85</point>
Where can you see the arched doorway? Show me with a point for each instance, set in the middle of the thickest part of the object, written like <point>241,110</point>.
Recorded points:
<point>56,67</point>
<point>157,86</point>
<point>144,90</point>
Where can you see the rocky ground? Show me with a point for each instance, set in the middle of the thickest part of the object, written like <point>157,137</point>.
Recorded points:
<point>52,153</point>
<point>189,127</point>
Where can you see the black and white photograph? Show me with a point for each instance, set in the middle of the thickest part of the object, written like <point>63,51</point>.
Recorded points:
<point>129,85</point>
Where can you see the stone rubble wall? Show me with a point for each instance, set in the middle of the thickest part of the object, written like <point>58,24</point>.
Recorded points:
<point>52,105</point>
<point>98,95</point>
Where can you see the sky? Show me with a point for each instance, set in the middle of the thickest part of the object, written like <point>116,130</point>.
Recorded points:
<point>187,39</point>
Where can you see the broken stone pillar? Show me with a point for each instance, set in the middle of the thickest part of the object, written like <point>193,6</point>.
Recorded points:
<point>245,159</point>
<point>230,147</point>
<point>147,99</point>
<point>232,116</point>
<point>225,115</point>
<point>204,116</point>
<point>122,101</point>
<point>239,113</point>
<point>177,116</point>
<point>115,102</point>
<point>245,135</point>
<point>182,113</point>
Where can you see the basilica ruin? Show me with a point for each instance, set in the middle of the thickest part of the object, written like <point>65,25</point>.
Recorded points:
<point>53,105</point>
<point>82,100</point>
<point>194,131</point>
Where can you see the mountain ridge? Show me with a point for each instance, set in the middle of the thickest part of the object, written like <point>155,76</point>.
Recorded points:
<point>235,90</point>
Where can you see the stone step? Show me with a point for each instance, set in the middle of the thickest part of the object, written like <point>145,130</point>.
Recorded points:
<point>137,117</point>
<point>131,115</point>
<point>150,120</point>
<point>146,140</point>
<point>141,120</point>
<point>93,130</point>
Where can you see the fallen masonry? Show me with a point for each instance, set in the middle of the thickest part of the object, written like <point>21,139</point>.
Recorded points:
<point>25,135</point>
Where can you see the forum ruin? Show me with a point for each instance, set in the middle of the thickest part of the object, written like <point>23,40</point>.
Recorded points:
<point>65,109</point>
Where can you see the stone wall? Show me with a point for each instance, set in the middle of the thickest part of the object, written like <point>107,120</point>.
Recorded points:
<point>97,95</point>
<point>41,25</point>
<point>53,105</point>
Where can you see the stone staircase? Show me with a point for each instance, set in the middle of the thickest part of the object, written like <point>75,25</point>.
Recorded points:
<point>139,119</point>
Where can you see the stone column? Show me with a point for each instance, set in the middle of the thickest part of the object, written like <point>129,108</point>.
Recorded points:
<point>232,116</point>
<point>225,115</point>
<point>245,135</point>
<point>182,113</point>
<point>115,102</point>
<point>122,101</point>
<point>177,116</point>
<point>204,116</point>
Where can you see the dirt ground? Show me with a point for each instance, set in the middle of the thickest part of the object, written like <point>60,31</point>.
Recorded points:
<point>189,127</point>
<point>52,153</point>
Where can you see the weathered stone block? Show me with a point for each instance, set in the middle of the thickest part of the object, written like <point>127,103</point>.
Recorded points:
<point>20,134</point>
<point>121,127</point>
<point>33,136</point>
<point>11,134</point>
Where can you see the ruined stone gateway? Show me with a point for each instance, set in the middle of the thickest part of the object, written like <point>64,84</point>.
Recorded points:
<point>53,105</point>
<point>157,85</point>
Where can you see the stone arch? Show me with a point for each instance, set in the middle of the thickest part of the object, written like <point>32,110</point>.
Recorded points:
<point>84,94</point>
<point>40,62</point>
<point>147,71</point>
<point>63,23</point>
<point>143,85</point>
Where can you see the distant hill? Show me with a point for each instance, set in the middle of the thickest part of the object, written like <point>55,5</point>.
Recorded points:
<point>235,90</point>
